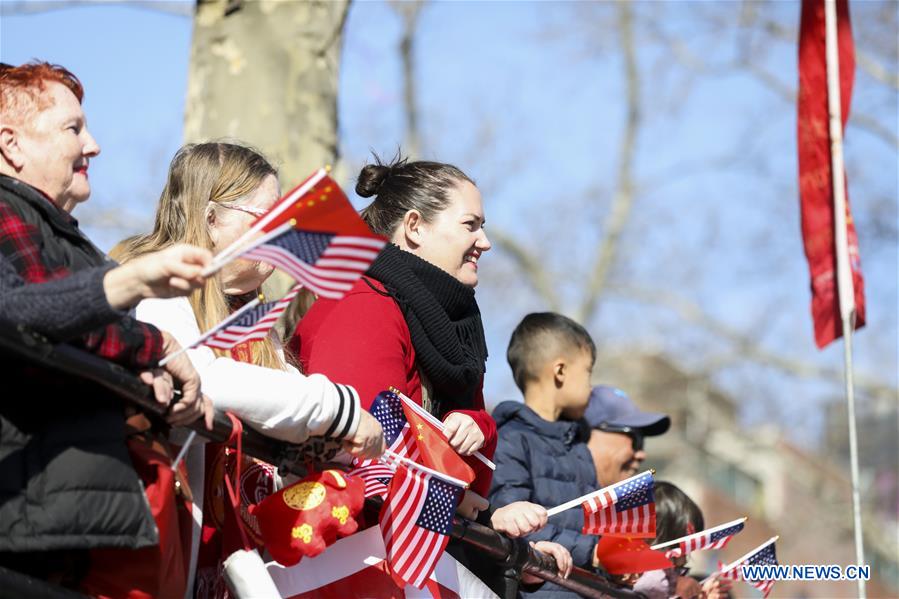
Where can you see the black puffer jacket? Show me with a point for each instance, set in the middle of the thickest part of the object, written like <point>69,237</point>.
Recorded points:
<point>66,478</point>
<point>547,463</point>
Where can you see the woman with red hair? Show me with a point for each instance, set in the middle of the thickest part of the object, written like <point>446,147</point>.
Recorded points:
<point>68,481</point>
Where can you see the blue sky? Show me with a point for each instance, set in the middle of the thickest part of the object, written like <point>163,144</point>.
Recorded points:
<point>133,64</point>
<point>526,98</point>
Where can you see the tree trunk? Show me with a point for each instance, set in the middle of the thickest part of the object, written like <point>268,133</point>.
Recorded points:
<point>266,72</point>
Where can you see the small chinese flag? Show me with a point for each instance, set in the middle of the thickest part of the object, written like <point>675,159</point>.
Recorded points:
<point>624,555</point>
<point>435,451</point>
<point>318,204</point>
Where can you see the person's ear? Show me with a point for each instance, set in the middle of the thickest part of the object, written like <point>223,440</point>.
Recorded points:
<point>559,371</point>
<point>211,222</point>
<point>9,148</point>
<point>412,228</point>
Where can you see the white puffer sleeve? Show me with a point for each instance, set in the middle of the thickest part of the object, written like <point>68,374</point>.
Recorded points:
<point>283,404</point>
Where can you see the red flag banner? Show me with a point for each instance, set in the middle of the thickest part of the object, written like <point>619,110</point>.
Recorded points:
<point>435,450</point>
<point>322,208</point>
<point>815,170</point>
<point>625,555</point>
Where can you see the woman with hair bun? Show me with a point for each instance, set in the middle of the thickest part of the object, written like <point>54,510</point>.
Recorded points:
<point>412,322</point>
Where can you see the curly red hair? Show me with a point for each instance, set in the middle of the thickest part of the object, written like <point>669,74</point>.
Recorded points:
<point>22,87</point>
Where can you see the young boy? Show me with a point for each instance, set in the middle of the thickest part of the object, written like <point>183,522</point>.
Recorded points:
<point>540,457</point>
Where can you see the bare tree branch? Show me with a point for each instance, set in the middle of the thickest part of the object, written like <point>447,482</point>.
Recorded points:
<point>856,118</point>
<point>874,127</point>
<point>862,58</point>
<point>745,347</point>
<point>9,9</point>
<point>410,11</point>
<point>681,52</point>
<point>876,70</point>
<point>623,199</point>
<point>336,32</point>
<point>530,266</point>
<point>687,169</point>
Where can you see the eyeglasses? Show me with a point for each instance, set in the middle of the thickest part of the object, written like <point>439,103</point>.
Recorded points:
<point>247,209</point>
<point>635,435</point>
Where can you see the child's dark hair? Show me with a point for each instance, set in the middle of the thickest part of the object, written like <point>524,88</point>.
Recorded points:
<point>537,336</point>
<point>676,514</point>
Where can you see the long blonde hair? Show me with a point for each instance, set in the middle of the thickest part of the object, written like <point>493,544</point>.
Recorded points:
<point>200,174</point>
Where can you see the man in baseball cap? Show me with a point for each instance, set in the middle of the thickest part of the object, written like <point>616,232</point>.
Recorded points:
<point>618,430</point>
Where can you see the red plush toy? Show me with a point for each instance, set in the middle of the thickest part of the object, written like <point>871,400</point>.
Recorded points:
<point>306,517</point>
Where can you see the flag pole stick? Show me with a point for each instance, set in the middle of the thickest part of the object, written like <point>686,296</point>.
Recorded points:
<point>739,561</point>
<point>440,426</point>
<point>579,500</point>
<point>446,477</point>
<point>184,448</point>
<point>221,259</point>
<point>844,273</point>
<point>276,211</point>
<point>249,306</point>
<point>701,532</point>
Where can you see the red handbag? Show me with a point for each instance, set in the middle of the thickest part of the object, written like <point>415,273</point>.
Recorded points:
<point>161,570</point>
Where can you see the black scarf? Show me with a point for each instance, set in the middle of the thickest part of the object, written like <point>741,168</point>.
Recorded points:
<point>444,323</point>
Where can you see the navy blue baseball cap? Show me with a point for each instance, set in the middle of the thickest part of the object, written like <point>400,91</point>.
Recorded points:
<point>610,409</point>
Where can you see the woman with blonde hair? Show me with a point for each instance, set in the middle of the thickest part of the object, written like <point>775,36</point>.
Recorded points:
<point>214,192</point>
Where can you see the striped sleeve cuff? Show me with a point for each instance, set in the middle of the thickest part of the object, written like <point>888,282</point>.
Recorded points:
<point>346,420</point>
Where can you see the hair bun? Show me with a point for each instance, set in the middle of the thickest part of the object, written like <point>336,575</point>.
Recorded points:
<point>371,178</point>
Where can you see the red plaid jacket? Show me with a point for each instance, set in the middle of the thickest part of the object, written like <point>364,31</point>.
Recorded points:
<point>44,243</point>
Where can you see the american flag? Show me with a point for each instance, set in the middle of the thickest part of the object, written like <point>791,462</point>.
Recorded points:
<point>375,474</point>
<point>254,321</point>
<point>415,520</point>
<point>625,509</point>
<point>388,410</point>
<point>713,538</point>
<point>314,234</point>
<point>326,263</point>
<point>763,556</point>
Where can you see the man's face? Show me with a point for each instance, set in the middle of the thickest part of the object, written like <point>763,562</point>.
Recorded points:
<point>614,456</point>
<point>55,148</point>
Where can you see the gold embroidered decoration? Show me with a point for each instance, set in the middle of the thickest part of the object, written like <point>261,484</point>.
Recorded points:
<point>302,532</point>
<point>339,480</point>
<point>305,496</point>
<point>341,512</point>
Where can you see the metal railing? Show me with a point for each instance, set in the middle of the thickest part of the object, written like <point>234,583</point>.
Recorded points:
<point>513,556</point>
